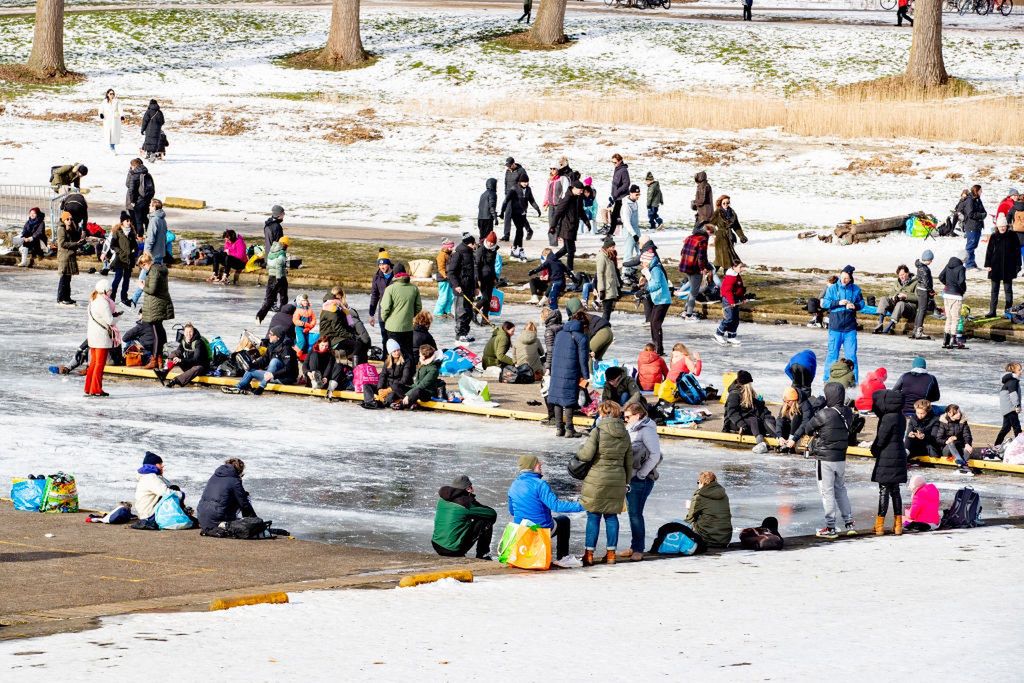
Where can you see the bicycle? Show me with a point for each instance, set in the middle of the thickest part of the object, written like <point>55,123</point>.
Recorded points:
<point>1005,7</point>
<point>652,4</point>
<point>887,4</point>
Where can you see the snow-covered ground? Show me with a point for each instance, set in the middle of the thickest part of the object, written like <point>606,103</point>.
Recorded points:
<point>893,609</point>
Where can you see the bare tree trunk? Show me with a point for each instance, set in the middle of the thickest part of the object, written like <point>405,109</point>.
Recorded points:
<point>47,57</point>
<point>549,26</point>
<point>344,44</point>
<point>925,68</point>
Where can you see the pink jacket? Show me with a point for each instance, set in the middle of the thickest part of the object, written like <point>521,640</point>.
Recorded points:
<point>925,506</point>
<point>236,249</point>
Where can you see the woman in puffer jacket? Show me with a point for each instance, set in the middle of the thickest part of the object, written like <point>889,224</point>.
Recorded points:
<point>890,457</point>
<point>102,335</point>
<point>610,451</point>
<point>570,363</point>
<point>526,350</point>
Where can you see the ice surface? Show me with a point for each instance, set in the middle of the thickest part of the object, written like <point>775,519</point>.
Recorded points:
<point>340,473</point>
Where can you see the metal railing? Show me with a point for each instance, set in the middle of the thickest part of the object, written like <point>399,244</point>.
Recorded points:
<point>17,200</point>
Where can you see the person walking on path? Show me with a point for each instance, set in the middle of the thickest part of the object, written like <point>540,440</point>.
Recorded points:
<point>112,117</point>
<point>1002,261</point>
<point>462,278</point>
<point>527,11</point>
<point>277,278</point>
<point>890,454</point>
<point>732,296</point>
<point>654,202</point>
<point>141,190</point>
<point>842,300</point>
<point>516,202</point>
<point>609,450</point>
<point>514,172</point>
<point>620,188</point>
<point>747,6</point>
<point>727,231</point>
<point>102,335</point>
<point>69,239</point>
<point>607,276</point>
<point>568,216</point>
<point>954,280</point>
<point>830,429</point>
<point>152,130</point>
<point>701,203</point>
<point>646,447</point>
<point>902,13</point>
<point>974,222</point>
<point>461,521</point>
<point>487,209</point>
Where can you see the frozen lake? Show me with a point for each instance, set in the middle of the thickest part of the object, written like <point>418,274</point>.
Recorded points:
<point>343,474</point>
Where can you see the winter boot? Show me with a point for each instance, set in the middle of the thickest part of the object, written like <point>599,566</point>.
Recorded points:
<point>897,526</point>
<point>161,375</point>
<point>588,558</point>
<point>919,334</point>
<point>609,557</point>
<point>879,326</point>
<point>880,525</point>
<point>890,328</point>
<point>154,363</point>
<point>945,340</point>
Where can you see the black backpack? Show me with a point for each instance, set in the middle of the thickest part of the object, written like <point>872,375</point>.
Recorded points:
<point>965,512</point>
<point>246,528</point>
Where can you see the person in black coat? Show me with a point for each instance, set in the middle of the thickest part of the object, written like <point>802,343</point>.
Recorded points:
<point>922,431</point>
<point>224,499</point>
<point>974,222</point>
<point>568,214</point>
<point>487,210</point>
<point>421,330</point>
<point>890,456</point>
<point>1002,261</point>
<point>517,200</point>
<point>462,278</point>
<point>272,229</point>
<point>192,357</point>
<point>917,384</point>
<point>33,238</point>
<point>485,258</point>
<point>152,128</point>
<point>141,190</point>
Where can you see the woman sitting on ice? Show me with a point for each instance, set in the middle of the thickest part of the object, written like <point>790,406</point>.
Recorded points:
<point>923,513</point>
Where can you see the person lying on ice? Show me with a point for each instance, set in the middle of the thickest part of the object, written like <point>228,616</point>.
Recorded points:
<point>461,521</point>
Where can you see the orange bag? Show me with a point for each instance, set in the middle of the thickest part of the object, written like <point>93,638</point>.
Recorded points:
<point>532,549</point>
<point>133,359</point>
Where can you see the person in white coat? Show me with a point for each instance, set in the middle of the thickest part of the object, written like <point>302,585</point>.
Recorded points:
<point>102,335</point>
<point>112,116</point>
<point>152,486</point>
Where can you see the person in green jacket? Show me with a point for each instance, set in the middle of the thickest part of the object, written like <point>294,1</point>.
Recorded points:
<point>277,277</point>
<point>621,388</point>
<point>709,514</point>
<point>156,307</point>
<point>900,303</point>
<point>610,452</point>
<point>424,384</point>
<point>460,521</point>
<point>654,201</point>
<point>498,350</point>
<point>399,305</point>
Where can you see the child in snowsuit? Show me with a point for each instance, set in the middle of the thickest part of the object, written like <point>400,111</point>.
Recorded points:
<point>1009,402</point>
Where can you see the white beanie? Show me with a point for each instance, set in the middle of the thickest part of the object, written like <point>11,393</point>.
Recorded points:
<point>392,346</point>
<point>1001,220</point>
<point>103,286</point>
<point>916,482</point>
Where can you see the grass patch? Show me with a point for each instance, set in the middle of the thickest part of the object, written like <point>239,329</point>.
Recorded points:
<point>351,132</point>
<point>17,81</point>
<point>446,218</point>
<point>314,59</point>
<point>310,96</point>
<point>897,89</point>
<point>518,41</point>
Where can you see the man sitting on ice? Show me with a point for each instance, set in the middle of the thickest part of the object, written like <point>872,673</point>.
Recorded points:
<point>530,497</point>
<point>460,521</point>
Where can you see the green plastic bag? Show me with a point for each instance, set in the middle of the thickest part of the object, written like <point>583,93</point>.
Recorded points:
<point>61,494</point>
<point>507,542</point>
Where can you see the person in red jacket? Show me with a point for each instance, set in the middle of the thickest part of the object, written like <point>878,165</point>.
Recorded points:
<point>684,361</point>
<point>650,368</point>
<point>902,13</point>
<point>1007,204</point>
<point>923,512</point>
<point>874,382</point>
<point>732,295</point>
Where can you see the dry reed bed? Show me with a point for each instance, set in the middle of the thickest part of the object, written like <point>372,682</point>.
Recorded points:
<point>977,120</point>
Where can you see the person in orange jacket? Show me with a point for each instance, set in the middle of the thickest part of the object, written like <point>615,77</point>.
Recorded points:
<point>304,320</point>
<point>650,367</point>
<point>874,382</point>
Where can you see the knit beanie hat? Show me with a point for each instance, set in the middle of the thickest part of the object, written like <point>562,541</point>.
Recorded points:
<point>528,462</point>
<point>462,482</point>
<point>392,346</point>
<point>927,255</point>
<point>447,242</point>
<point>916,482</point>
<point>573,305</point>
<point>744,377</point>
<point>919,362</point>
<point>649,176</point>
<point>848,269</point>
<point>152,459</point>
<point>277,211</point>
<point>790,394</point>
<point>468,239</point>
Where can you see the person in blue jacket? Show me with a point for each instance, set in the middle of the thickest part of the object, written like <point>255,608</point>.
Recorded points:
<point>570,362</point>
<point>530,497</point>
<point>659,289</point>
<point>842,301</point>
<point>556,275</point>
<point>802,368</point>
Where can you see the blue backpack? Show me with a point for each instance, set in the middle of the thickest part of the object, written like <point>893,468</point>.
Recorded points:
<point>689,390</point>
<point>170,515</point>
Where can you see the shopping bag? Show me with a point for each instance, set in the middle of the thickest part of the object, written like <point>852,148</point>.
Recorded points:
<point>528,548</point>
<point>455,362</point>
<point>666,391</point>
<point>471,388</point>
<point>496,303</point>
<point>27,494</point>
<point>364,374</point>
<point>61,494</point>
<point>170,515</point>
<point>727,379</point>
<point>671,541</point>
<point>600,367</point>
<point>508,538</point>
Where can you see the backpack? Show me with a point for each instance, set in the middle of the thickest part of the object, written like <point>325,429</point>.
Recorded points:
<point>689,390</point>
<point>965,512</point>
<point>516,374</point>
<point>147,189</point>
<point>246,528</point>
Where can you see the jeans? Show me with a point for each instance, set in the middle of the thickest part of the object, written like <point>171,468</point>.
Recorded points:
<point>730,320</point>
<point>636,498</point>
<point>445,299</point>
<point>832,486</point>
<point>953,451</point>
<point>653,218</point>
<point>64,288</point>
<point>847,341</point>
<point>263,376</point>
<point>973,238</point>
<point>556,291</point>
<point>696,280</point>
<point>611,530</point>
<point>122,275</point>
<point>994,296</point>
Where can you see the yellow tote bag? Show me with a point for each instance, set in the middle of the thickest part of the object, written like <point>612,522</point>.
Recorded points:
<point>727,379</point>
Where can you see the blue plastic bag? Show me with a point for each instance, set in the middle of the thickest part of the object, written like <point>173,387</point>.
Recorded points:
<point>600,367</point>
<point>170,515</point>
<point>497,303</point>
<point>677,543</point>
<point>455,362</point>
<point>27,494</point>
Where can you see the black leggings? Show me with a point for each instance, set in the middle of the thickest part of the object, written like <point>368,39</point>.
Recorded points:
<point>994,295</point>
<point>560,534</point>
<point>1010,421</point>
<point>885,492</point>
<point>159,338</point>
<point>607,306</point>
<point>658,314</point>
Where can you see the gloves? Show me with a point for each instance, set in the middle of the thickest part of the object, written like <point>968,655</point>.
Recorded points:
<point>101,117</point>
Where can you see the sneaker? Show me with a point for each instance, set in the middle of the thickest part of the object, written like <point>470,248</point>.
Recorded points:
<point>466,339</point>
<point>690,317</point>
<point>760,448</point>
<point>966,471</point>
<point>568,562</point>
<point>486,557</point>
<point>69,302</point>
<point>814,323</point>
<point>851,528</point>
<point>720,338</point>
<point>733,341</point>
<point>233,390</point>
<point>827,532</point>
